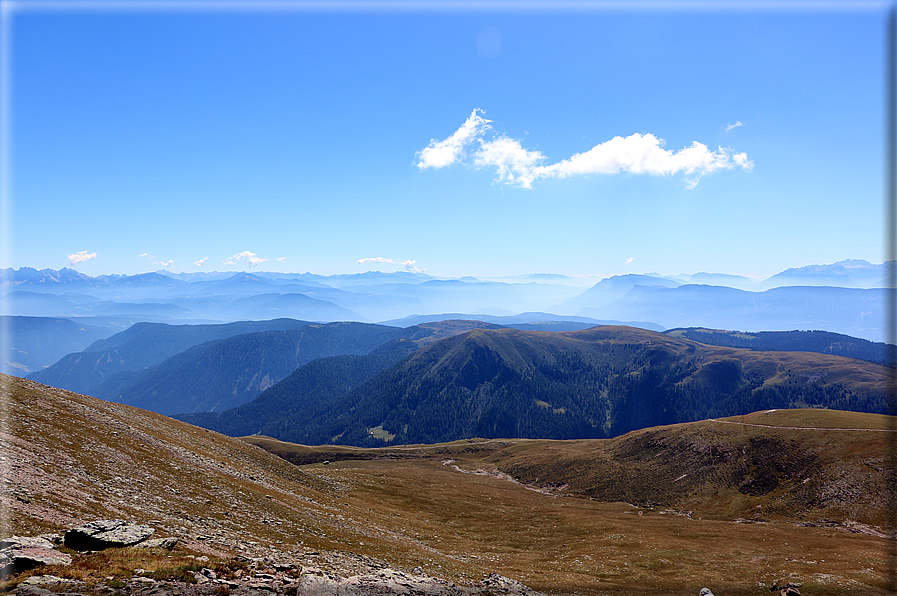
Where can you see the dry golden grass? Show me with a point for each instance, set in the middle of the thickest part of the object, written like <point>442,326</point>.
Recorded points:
<point>116,566</point>
<point>470,523</point>
<point>72,458</point>
<point>708,533</point>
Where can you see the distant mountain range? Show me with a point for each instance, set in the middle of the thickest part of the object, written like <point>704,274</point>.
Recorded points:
<point>849,273</point>
<point>851,311</point>
<point>844,297</point>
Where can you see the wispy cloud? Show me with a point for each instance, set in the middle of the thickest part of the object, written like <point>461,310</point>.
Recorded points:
<point>518,166</point>
<point>167,263</point>
<point>248,257</point>
<point>281,259</point>
<point>201,262</point>
<point>148,256</point>
<point>80,257</point>
<point>629,260</point>
<point>736,125</point>
<point>408,265</point>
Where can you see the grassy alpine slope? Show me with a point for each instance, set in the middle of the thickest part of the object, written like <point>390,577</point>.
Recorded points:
<point>662,510</point>
<point>454,509</point>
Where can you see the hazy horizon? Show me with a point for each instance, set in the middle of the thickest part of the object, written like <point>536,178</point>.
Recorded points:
<point>582,279</point>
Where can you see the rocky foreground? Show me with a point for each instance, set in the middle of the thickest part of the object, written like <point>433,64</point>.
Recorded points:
<point>240,575</point>
<point>261,581</point>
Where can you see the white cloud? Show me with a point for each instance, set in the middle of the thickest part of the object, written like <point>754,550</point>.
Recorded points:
<point>439,154</point>
<point>201,262</point>
<point>736,125</point>
<point>147,256</point>
<point>168,263</point>
<point>80,257</point>
<point>249,257</point>
<point>281,259</point>
<point>408,265</point>
<point>629,260</point>
<point>143,255</point>
<point>517,166</point>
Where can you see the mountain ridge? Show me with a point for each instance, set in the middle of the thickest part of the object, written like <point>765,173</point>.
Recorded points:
<point>595,383</point>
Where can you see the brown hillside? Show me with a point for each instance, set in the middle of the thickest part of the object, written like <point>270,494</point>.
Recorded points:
<point>448,508</point>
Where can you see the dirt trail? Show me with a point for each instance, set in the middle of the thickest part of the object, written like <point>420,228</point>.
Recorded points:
<point>877,430</point>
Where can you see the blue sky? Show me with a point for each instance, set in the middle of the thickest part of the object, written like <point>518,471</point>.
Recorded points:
<point>234,138</point>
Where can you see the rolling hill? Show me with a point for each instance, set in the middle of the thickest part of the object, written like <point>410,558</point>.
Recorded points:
<point>225,373</point>
<point>821,342</point>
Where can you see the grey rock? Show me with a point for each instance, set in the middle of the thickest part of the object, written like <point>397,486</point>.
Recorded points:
<point>106,533</point>
<point>506,585</point>
<point>26,590</point>
<point>786,588</point>
<point>46,580</point>
<point>163,543</point>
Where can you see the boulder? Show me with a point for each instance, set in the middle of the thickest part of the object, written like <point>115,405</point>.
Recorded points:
<point>25,542</point>
<point>785,588</point>
<point>20,553</point>
<point>106,533</point>
<point>44,580</point>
